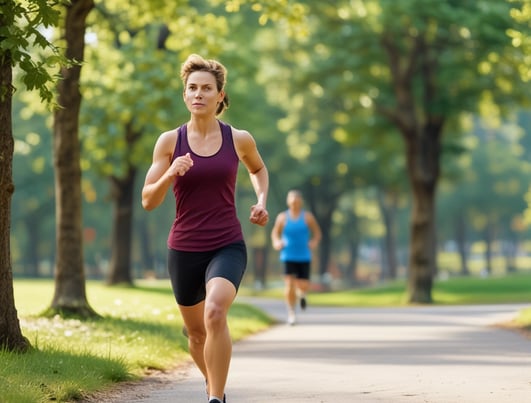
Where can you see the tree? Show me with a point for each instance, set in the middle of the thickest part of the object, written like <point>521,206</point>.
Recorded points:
<point>433,56</point>
<point>70,293</point>
<point>19,34</point>
<point>420,68</point>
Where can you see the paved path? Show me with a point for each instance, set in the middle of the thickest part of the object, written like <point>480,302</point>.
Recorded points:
<point>415,354</point>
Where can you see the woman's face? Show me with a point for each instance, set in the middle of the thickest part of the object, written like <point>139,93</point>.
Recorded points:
<point>201,95</point>
<point>294,200</point>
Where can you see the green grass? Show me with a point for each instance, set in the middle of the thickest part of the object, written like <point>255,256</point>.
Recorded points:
<point>456,290</point>
<point>523,320</point>
<point>140,330</point>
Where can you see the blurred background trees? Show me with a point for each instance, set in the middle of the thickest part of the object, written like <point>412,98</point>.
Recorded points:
<point>405,126</point>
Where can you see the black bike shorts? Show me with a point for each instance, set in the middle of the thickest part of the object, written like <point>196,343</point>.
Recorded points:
<point>300,270</point>
<point>190,271</point>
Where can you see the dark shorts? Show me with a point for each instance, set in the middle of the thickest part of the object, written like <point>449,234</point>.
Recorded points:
<point>300,270</point>
<point>190,271</point>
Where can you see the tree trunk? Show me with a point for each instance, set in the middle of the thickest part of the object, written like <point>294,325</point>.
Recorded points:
<point>423,152</point>
<point>147,256</point>
<point>33,232</point>
<point>11,337</point>
<point>260,255</point>
<point>460,236</point>
<point>388,211</point>
<point>352,238</point>
<point>323,214</point>
<point>122,195</point>
<point>489,237</point>
<point>70,294</point>
<point>510,251</point>
<point>122,191</point>
<point>415,114</point>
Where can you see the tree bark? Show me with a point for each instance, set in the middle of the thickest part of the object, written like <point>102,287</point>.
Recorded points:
<point>147,256</point>
<point>388,211</point>
<point>259,255</point>
<point>415,115</point>
<point>122,191</point>
<point>323,215</point>
<point>11,337</point>
<point>33,232</point>
<point>423,152</point>
<point>352,238</point>
<point>460,236</point>
<point>70,294</point>
<point>122,195</point>
<point>489,239</point>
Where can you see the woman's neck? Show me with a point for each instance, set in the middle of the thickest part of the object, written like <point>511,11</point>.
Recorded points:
<point>202,126</point>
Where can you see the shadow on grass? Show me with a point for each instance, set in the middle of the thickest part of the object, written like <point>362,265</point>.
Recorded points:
<point>54,375</point>
<point>73,358</point>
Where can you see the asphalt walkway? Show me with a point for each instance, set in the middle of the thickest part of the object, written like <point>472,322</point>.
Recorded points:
<point>430,354</point>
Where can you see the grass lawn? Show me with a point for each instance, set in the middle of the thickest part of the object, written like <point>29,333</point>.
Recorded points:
<point>141,330</point>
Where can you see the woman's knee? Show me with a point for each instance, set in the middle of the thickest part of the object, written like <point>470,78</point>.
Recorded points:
<point>215,315</point>
<point>196,335</point>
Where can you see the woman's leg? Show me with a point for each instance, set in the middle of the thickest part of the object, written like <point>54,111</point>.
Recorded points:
<point>194,322</point>
<point>302,283</point>
<point>302,287</point>
<point>290,296</point>
<point>218,344</point>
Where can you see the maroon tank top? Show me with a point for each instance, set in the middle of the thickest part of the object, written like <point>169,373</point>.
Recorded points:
<point>205,214</point>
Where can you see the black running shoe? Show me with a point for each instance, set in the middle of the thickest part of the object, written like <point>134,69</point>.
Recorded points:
<point>217,400</point>
<point>303,303</point>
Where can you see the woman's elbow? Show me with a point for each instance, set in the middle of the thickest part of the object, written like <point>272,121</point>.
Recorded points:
<point>147,203</point>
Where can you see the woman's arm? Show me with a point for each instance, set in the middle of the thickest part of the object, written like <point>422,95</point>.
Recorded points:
<point>161,174</point>
<point>276,232</point>
<point>314,229</point>
<point>250,157</point>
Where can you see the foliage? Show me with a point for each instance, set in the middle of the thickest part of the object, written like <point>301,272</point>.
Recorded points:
<point>131,80</point>
<point>309,100</point>
<point>29,48</point>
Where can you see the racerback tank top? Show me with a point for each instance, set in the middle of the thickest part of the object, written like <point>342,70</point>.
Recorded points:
<point>205,211</point>
<point>296,238</point>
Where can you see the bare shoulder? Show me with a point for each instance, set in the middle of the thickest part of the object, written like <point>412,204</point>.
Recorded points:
<point>168,137</point>
<point>281,218</point>
<point>166,142</point>
<point>242,137</point>
<point>309,214</point>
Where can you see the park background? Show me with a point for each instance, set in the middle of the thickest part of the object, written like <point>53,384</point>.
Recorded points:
<point>315,85</point>
<point>405,125</point>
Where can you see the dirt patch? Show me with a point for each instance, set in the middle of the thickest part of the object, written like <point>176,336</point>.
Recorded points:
<point>130,391</point>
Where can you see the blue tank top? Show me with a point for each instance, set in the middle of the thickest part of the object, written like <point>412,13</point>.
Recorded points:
<point>205,211</point>
<point>295,236</point>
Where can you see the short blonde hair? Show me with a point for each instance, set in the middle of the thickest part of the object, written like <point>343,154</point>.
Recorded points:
<point>197,63</point>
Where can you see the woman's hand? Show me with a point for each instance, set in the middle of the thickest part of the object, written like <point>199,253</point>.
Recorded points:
<point>181,165</point>
<point>278,244</point>
<point>259,215</point>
